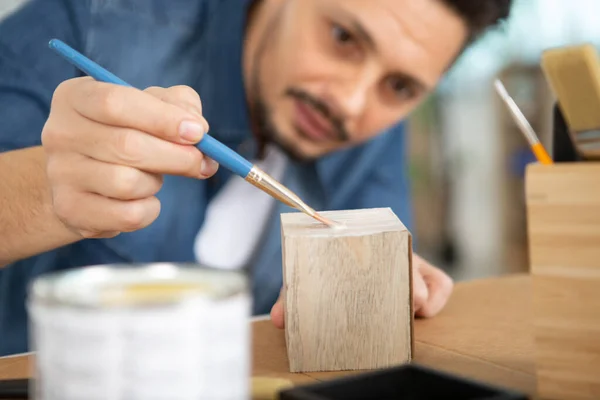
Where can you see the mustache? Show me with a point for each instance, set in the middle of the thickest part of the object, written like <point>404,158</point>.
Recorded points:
<point>321,107</point>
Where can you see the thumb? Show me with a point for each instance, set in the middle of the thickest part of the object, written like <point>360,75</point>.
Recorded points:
<point>439,287</point>
<point>277,317</point>
<point>420,292</point>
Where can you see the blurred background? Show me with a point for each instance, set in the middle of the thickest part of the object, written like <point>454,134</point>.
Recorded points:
<point>468,157</point>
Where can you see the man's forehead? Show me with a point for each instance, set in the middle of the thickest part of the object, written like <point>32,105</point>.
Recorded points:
<point>419,30</point>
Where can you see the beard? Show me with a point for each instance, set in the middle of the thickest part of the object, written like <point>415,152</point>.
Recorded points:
<point>266,132</point>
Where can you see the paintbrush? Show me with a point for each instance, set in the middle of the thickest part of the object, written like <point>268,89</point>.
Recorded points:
<point>534,142</point>
<point>573,73</point>
<point>207,145</point>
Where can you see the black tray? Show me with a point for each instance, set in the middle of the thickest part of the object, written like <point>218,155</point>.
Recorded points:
<point>14,389</point>
<point>406,382</point>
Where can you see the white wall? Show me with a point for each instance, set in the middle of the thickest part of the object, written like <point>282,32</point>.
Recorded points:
<point>471,142</point>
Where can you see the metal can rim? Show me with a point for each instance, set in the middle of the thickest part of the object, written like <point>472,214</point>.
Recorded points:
<point>81,287</point>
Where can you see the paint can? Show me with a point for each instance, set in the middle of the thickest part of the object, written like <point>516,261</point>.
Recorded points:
<point>152,331</point>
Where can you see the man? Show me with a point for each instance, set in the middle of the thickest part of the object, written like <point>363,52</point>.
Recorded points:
<point>313,90</point>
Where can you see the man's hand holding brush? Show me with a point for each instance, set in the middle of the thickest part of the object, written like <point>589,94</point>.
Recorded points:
<point>108,146</point>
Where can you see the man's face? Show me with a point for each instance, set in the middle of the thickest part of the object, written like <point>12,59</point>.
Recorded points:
<point>335,73</point>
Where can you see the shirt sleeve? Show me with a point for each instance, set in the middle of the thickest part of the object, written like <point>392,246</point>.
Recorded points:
<point>29,70</point>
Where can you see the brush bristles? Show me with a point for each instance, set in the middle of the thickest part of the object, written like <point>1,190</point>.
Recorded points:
<point>573,73</point>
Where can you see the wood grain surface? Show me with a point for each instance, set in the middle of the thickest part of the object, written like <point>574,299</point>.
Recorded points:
<point>347,292</point>
<point>563,205</point>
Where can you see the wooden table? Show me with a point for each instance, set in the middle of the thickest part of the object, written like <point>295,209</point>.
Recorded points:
<point>484,333</point>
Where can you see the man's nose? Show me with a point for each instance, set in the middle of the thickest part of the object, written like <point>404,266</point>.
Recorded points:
<point>352,94</point>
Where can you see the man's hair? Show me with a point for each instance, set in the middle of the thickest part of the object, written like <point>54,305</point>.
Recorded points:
<point>479,15</point>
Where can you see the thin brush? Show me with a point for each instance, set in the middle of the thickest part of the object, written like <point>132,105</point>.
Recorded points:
<point>534,142</point>
<point>208,145</point>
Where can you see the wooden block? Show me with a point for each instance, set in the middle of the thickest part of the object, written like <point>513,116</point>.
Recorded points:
<point>347,292</point>
<point>563,211</point>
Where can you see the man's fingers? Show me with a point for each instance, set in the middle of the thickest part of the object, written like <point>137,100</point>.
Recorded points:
<point>133,148</point>
<point>109,180</point>
<point>277,315</point>
<point>440,288</point>
<point>135,109</point>
<point>189,100</point>
<point>420,293</point>
<point>96,215</point>
<point>180,96</point>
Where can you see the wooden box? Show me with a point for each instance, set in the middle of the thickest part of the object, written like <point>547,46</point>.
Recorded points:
<point>563,211</point>
<point>347,292</point>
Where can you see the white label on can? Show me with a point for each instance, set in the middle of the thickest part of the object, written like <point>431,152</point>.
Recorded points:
<point>199,349</point>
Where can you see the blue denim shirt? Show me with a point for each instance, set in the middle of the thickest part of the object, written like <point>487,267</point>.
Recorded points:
<point>165,43</point>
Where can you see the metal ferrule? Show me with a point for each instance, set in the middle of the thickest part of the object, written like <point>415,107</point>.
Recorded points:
<point>270,185</point>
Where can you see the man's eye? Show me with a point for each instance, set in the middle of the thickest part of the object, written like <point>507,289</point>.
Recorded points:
<point>341,35</point>
<point>402,88</point>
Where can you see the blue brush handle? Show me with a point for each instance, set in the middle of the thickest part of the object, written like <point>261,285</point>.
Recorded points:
<point>208,145</point>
